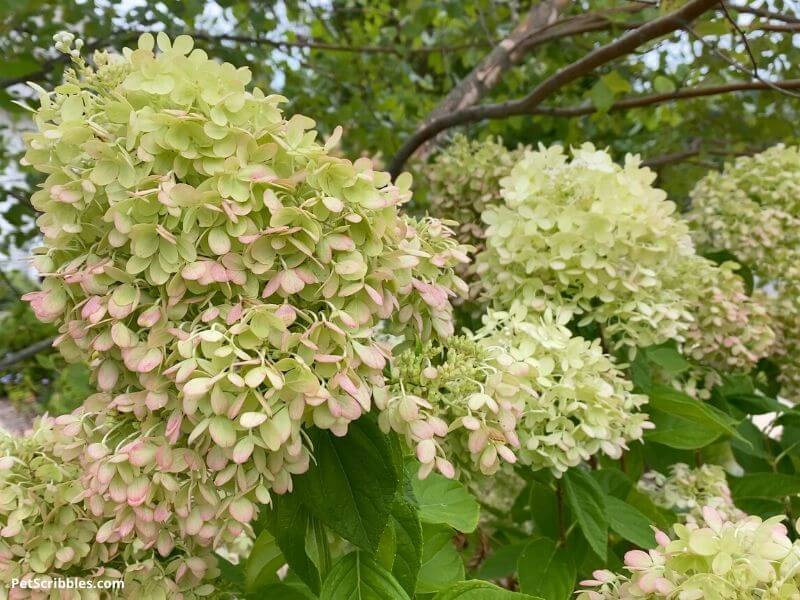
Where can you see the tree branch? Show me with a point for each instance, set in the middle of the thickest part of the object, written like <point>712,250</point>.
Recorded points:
<point>527,105</point>
<point>12,358</point>
<point>696,149</point>
<point>682,94</point>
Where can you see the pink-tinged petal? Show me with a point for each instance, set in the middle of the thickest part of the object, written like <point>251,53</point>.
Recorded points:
<point>242,510</point>
<point>292,283</point>
<point>662,539</point>
<point>286,313</point>
<point>242,451</point>
<point>272,285</point>
<point>637,559</point>
<point>137,491</point>
<point>194,271</point>
<point>446,468</point>
<point>150,361</point>
<point>426,451</point>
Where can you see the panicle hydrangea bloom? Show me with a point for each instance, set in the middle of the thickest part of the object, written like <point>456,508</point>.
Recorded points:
<point>455,398</point>
<point>686,491</point>
<point>224,275</point>
<point>714,560</point>
<point>785,312</point>
<point>464,180</point>
<point>51,526</point>
<point>752,209</point>
<point>731,330</point>
<point>592,238</point>
<point>576,401</point>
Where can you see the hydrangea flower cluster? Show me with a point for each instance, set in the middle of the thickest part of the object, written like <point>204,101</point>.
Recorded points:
<point>752,208</point>
<point>730,330</point>
<point>464,180</point>
<point>592,238</point>
<point>225,276</point>
<point>48,529</point>
<point>715,560</point>
<point>686,491</point>
<point>576,401</point>
<point>456,398</point>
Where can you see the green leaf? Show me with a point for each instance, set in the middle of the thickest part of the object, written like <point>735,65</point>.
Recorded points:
<point>358,577</point>
<point>660,517</point>
<point>12,68</point>
<point>668,358</point>
<point>684,422</point>
<point>587,502</point>
<point>284,591</point>
<point>663,85</point>
<point>263,562</point>
<point>546,570</point>
<point>353,484</point>
<point>602,96</point>
<point>441,563</point>
<point>616,82</point>
<point>445,501</point>
<point>480,590</point>
<point>544,508</point>
<point>756,404</point>
<point>288,523</point>
<point>502,562</point>
<point>629,523</point>
<point>679,433</point>
<point>766,486</point>
<point>408,543</point>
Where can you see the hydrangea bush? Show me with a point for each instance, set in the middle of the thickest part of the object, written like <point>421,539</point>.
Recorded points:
<point>285,401</point>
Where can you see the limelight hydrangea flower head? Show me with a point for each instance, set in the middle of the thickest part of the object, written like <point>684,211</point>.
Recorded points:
<point>714,560</point>
<point>48,528</point>
<point>575,401</point>
<point>453,399</point>
<point>224,276</point>
<point>752,208</point>
<point>591,237</point>
<point>464,179</point>
<point>731,329</point>
<point>688,490</point>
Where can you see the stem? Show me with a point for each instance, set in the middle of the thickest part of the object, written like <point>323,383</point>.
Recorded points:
<point>560,510</point>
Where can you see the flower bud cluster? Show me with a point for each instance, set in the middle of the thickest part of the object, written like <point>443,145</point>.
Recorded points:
<point>452,399</point>
<point>686,491</point>
<point>48,528</point>
<point>225,276</point>
<point>717,558</point>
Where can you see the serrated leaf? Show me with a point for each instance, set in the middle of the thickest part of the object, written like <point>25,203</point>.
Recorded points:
<point>442,500</point>
<point>629,523</point>
<point>480,590</point>
<point>353,484</point>
<point>358,577</point>
<point>546,570</point>
<point>587,503</point>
